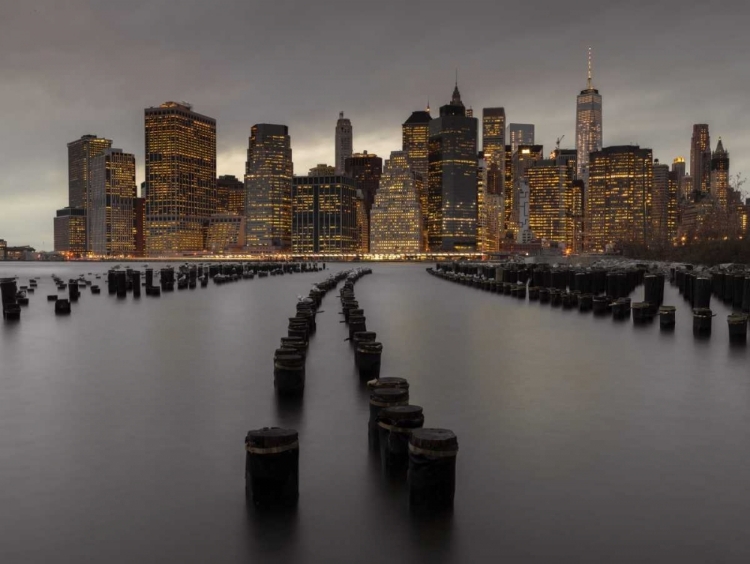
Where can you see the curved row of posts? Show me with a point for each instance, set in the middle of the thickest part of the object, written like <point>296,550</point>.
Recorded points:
<point>272,453</point>
<point>121,282</point>
<point>732,286</point>
<point>425,456</point>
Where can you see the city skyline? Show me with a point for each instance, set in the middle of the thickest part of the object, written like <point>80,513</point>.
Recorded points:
<point>653,93</point>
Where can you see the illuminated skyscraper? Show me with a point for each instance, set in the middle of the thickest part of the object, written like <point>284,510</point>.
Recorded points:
<point>344,142</point>
<point>588,125</point>
<point>520,134</point>
<point>324,216</point>
<point>80,153</point>
<point>493,148</point>
<point>720,176</point>
<point>415,135</point>
<point>180,178</point>
<point>678,172</point>
<point>365,168</point>
<point>550,181</point>
<point>230,195</point>
<point>523,158</point>
<point>396,221</point>
<point>112,191</point>
<point>618,196</point>
<point>363,223</point>
<point>659,212</point>
<point>700,160</point>
<point>489,210</point>
<point>268,181</point>
<point>452,198</point>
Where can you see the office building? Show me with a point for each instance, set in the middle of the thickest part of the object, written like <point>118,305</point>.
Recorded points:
<point>493,148</point>
<point>366,169</point>
<point>70,231</point>
<point>700,160</point>
<point>395,218</point>
<point>660,200</point>
<point>415,135</point>
<point>452,183</point>
<point>268,181</point>
<point>520,134</point>
<point>324,213</point>
<point>225,233</point>
<point>139,227</point>
<point>230,195</point>
<point>618,197</point>
<point>80,153</point>
<point>344,143</point>
<point>588,124</point>
<point>549,181</point>
<point>523,158</point>
<point>720,176</point>
<point>180,178</point>
<point>363,223</point>
<point>110,217</point>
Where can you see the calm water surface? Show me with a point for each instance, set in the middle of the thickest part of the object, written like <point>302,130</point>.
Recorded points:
<point>581,439</point>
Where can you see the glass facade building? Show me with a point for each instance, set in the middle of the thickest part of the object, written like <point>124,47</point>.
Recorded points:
<point>268,181</point>
<point>700,160</point>
<point>112,191</point>
<point>588,125</point>
<point>324,213</point>
<point>618,198</point>
<point>70,231</point>
<point>415,137</point>
<point>520,134</point>
<point>180,178</point>
<point>396,216</point>
<point>230,195</point>
<point>452,179</point>
<point>366,169</point>
<point>344,142</point>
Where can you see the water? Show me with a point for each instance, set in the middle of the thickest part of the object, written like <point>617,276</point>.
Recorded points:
<point>581,439</point>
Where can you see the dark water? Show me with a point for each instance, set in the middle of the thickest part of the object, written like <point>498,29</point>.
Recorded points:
<point>581,439</point>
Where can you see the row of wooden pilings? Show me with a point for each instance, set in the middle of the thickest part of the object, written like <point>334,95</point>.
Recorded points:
<point>730,286</point>
<point>598,290</point>
<point>272,453</point>
<point>121,282</point>
<point>426,457</point>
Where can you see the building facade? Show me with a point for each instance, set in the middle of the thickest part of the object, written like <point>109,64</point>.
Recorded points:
<point>549,183</point>
<point>366,169</point>
<point>324,213</point>
<point>112,191</point>
<point>618,197</point>
<point>344,142</point>
<point>720,176</point>
<point>226,233</point>
<point>452,183</point>
<point>415,136</point>
<point>659,214</point>
<point>268,181</point>
<point>230,195</point>
<point>493,148</point>
<point>180,178</point>
<point>395,218</point>
<point>520,134</point>
<point>700,160</point>
<point>70,231</point>
<point>588,125</point>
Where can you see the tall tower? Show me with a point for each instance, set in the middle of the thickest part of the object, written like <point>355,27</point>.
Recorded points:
<point>520,134</point>
<point>493,148</point>
<point>452,198</point>
<point>268,182</point>
<point>415,135</point>
<point>112,193</point>
<point>660,197</point>
<point>588,125</point>
<point>180,178</point>
<point>720,175</point>
<point>700,159</point>
<point>344,142</point>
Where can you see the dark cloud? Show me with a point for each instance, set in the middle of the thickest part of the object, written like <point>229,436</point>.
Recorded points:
<point>72,67</point>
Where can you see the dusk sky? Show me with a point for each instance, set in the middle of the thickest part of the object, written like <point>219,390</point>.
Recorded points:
<point>72,67</point>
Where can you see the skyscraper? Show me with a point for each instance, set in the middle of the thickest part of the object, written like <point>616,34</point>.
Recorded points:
<point>396,221</point>
<point>659,212</point>
<point>588,125</point>
<point>489,208</point>
<point>523,158</point>
<point>618,196</point>
<point>344,142</point>
<point>268,181</point>
<point>112,192</point>
<point>550,181</point>
<point>70,231</point>
<point>452,199</point>
<point>678,173</point>
<point>720,176</point>
<point>324,212</point>
<point>700,160</point>
<point>415,136</point>
<point>493,148</point>
<point>520,134</point>
<point>80,153</point>
<point>365,168</point>
<point>180,178</point>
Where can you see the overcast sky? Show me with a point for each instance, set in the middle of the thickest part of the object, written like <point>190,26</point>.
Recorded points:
<point>71,67</point>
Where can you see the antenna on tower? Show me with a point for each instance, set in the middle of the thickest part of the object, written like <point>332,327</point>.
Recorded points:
<point>589,68</point>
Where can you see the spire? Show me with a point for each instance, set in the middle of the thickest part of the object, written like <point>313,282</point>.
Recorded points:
<point>456,99</point>
<point>720,147</point>
<point>428,105</point>
<point>589,82</point>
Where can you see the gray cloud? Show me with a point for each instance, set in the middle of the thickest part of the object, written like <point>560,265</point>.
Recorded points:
<point>72,67</point>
